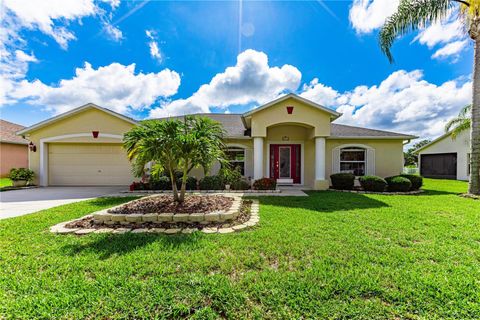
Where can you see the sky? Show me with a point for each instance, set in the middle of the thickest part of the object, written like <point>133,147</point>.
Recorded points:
<point>150,59</point>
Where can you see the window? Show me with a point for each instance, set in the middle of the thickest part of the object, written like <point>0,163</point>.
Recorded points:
<point>352,160</point>
<point>236,158</point>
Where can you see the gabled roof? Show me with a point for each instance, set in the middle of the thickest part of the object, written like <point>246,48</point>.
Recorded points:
<point>8,130</point>
<point>334,114</point>
<point>443,136</point>
<point>350,132</point>
<point>232,123</point>
<point>72,112</point>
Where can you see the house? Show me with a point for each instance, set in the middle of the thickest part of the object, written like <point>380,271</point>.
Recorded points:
<point>445,157</point>
<point>291,139</point>
<point>13,148</point>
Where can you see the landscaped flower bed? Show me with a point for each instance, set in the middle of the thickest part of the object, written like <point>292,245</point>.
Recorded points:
<point>404,184</point>
<point>246,216</point>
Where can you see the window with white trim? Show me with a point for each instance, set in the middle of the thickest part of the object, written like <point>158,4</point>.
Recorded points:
<point>236,158</point>
<point>353,160</point>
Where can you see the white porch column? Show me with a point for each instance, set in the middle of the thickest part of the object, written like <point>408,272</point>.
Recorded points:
<point>320,181</point>
<point>257,158</point>
<point>43,179</point>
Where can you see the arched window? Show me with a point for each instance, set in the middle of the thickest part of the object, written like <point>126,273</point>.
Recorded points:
<point>353,160</point>
<point>236,158</point>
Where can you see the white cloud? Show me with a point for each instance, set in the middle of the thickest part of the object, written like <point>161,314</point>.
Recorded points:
<point>112,32</point>
<point>451,49</point>
<point>368,15</point>
<point>251,80</point>
<point>44,15</point>
<point>441,32</point>
<point>403,102</point>
<point>155,51</point>
<point>115,86</point>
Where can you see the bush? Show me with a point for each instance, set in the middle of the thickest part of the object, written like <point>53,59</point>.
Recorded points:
<point>17,174</point>
<point>161,183</point>
<point>139,186</point>
<point>342,181</point>
<point>230,176</point>
<point>373,183</point>
<point>265,184</point>
<point>417,181</point>
<point>240,185</point>
<point>191,183</point>
<point>212,183</point>
<point>398,184</point>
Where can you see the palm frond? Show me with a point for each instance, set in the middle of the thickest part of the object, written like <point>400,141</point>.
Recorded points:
<point>461,123</point>
<point>411,15</point>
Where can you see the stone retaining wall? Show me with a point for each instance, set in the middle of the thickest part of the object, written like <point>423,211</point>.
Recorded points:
<point>107,218</point>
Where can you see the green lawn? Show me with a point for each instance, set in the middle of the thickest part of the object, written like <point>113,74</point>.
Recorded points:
<point>5,182</point>
<point>332,255</point>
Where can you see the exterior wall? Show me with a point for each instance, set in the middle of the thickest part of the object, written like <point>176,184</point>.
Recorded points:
<point>247,144</point>
<point>388,155</point>
<point>86,121</point>
<point>302,114</point>
<point>461,146</point>
<point>12,156</point>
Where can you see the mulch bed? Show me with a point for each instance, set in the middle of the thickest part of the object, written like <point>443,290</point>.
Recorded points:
<point>165,204</point>
<point>244,216</point>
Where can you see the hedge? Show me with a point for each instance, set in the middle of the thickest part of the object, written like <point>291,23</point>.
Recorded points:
<point>373,183</point>
<point>342,181</point>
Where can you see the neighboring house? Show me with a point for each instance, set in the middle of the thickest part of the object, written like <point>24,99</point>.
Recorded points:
<point>445,157</point>
<point>291,139</point>
<point>13,149</point>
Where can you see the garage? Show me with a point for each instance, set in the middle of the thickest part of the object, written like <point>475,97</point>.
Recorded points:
<point>443,165</point>
<point>77,164</point>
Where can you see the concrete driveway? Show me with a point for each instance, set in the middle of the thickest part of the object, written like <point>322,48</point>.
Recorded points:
<point>20,202</point>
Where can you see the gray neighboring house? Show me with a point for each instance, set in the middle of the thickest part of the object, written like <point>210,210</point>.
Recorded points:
<point>445,157</point>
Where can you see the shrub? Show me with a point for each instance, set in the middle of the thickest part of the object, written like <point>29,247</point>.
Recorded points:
<point>417,181</point>
<point>343,181</point>
<point>191,183</point>
<point>230,176</point>
<point>265,184</point>
<point>240,185</point>
<point>139,186</point>
<point>212,183</point>
<point>161,183</point>
<point>373,183</point>
<point>17,174</point>
<point>398,184</point>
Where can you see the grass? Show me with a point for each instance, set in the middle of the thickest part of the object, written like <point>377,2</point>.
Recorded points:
<point>5,182</point>
<point>331,255</point>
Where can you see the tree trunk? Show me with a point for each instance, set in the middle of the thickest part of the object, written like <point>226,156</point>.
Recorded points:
<point>474,185</point>
<point>173,180</point>
<point>183,189</point>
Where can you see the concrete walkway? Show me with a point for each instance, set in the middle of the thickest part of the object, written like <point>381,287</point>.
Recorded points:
<point>20,202</point>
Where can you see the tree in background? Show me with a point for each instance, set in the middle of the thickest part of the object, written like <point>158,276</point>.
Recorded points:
<point>411,158</point>
<point>175,146</point>
<point>414,14</point>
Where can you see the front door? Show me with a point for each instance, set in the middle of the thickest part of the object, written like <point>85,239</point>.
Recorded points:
<point>285,162</point>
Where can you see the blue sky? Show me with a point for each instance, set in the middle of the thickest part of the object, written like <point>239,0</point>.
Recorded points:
<point>158,58</point>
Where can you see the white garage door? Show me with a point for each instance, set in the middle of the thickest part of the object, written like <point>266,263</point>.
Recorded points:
<point>88,165</point>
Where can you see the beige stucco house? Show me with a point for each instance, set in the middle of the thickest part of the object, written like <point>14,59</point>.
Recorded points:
<point>445,157</point>
<point>291,139</point>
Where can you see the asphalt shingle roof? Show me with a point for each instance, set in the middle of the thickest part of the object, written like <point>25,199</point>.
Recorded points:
<point>235,127</point>
<point>8,130</point>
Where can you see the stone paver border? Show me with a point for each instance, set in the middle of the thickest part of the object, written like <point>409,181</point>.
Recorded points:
<point>107,218</point>
<point>384,193</point>
<point>205,191</point>
<point>254,219</point>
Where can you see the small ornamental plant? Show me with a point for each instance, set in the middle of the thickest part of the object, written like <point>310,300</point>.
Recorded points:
<point>265,184</point>
<point>373,183</point>
<point>21,174</point>
<point>398,184</point>
<point>343,181</point>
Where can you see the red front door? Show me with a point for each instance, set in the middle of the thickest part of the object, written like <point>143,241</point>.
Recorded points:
<point>285,161</point>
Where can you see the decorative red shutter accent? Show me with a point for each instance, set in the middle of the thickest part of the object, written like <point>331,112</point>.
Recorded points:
<point>290,109</point>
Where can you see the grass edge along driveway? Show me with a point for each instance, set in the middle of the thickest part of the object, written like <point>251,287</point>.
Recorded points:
<point>331,255</point>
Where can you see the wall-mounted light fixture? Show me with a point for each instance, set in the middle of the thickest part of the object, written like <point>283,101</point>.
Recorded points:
<point>32,147</point>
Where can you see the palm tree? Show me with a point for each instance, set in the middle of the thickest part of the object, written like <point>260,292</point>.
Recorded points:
<point>461,123</point>
<point>175,145</point>
<point>413,14</point>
